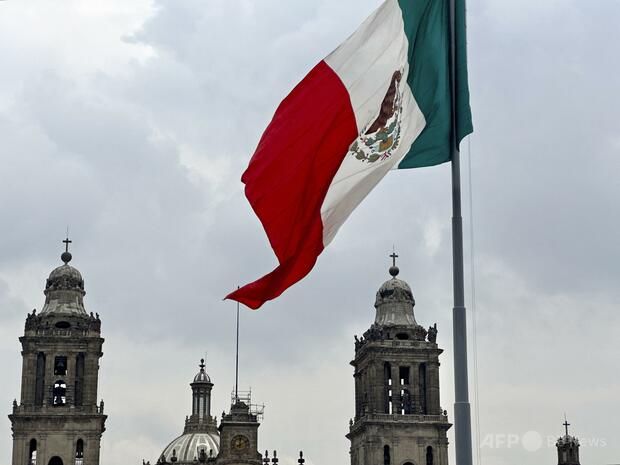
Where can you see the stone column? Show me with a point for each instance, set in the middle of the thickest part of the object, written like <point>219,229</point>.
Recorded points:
<point>432,388</point>
<point>42,455</point>
<point>373,387</point>
<point>396,388</point>
<point>91,377</point>
<point>21,447</point>
<point>91,449</point>
<point>414,387</point>
<point>358,396</point>
<point>29,376</point>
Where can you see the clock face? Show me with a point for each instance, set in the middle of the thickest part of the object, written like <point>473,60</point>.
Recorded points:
<point>240,443</point>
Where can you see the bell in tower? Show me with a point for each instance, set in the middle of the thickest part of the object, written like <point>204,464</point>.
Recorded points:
<point>58,421</point>
<point>398,418</point>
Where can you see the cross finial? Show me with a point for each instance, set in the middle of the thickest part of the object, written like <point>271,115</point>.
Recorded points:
<point>566,424</point>
<point>394,256</point>
<point>394,269</point>
<point>66,256</point>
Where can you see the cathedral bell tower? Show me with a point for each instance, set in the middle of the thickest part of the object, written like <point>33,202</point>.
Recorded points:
<point>58,421</point>
<point>398,418</point>
<point>568,448</point>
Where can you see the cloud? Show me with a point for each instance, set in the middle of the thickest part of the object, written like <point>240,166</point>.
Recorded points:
<point>132,124</point>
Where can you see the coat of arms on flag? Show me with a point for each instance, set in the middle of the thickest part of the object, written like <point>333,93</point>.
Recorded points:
<point>381,138</point>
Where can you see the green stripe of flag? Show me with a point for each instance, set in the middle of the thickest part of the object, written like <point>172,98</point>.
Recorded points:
<point>427,27</point>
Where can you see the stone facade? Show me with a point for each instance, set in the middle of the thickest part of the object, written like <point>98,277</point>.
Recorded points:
<point>398,417</point>
<point>57,420</point>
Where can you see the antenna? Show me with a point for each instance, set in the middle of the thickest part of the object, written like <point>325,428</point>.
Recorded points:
<point>237,358</point>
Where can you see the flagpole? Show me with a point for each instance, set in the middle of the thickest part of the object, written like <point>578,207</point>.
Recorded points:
<point>237,358</point>
<point>462,412</point>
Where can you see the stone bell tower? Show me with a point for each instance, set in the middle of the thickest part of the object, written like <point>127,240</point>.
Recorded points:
<point>58,421</point>
<point>398,418</point>
<point>568,448</point>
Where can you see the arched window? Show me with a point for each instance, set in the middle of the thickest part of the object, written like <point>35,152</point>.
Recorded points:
<point>32,455</point>
<point>407,463</point>
<point>386,455</point>
<point>55,461</point>
<point>79,452</point>
<point>59,393</point>
<point>429,455</point>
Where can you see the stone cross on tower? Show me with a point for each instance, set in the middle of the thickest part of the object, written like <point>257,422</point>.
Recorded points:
<point>566,424</point>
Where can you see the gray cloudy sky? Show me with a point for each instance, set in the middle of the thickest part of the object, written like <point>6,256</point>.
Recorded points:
<point>133,121</point>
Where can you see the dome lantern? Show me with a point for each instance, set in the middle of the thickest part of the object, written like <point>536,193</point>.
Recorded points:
<point>200,436</point>
<point>202,376</point>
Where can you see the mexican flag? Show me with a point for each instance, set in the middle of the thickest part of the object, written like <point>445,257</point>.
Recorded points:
<point>380,101</point>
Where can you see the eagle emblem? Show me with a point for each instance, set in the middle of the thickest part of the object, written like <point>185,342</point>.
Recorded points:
<point>380,138</point>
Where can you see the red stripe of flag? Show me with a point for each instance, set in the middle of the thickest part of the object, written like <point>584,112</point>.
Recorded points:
<point>289,175</point>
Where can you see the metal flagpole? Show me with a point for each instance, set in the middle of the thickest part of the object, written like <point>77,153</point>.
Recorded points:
<point>462,412</point>
<point>237,358</point>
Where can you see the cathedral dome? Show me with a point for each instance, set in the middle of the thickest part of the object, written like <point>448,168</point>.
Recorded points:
<point>64,290</point>
<point>395,302</point>
<point>186,448</point>
<point>394,290</point>
<point>66,273</point>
